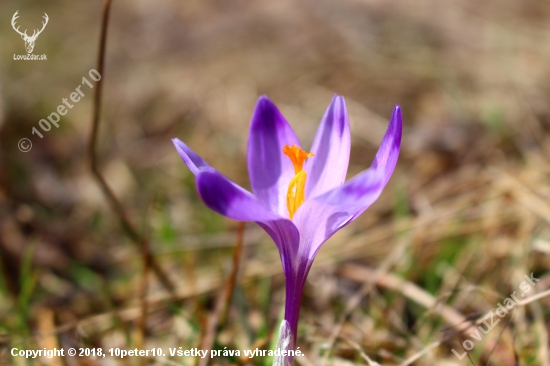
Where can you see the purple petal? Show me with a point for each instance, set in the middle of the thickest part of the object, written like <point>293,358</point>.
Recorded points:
<point>320,217</point>
<point>269,169</point>
<point>227,198</point>
<point>194,162</point>
<point>387,154</point>
<point>328,168</point>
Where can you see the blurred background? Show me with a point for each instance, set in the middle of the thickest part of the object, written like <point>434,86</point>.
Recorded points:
<point>464,218</point>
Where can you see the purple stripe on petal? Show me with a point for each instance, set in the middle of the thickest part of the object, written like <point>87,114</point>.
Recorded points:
<point>227,198</point>
<point>194,162</point>
<point>269,169</point>
<point>328,168</point>
<point>387,154</point>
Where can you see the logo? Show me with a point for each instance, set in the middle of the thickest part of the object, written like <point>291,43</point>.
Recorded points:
<point>29,40</point>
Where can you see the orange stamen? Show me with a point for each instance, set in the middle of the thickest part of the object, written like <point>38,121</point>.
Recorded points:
<point>296,189</point>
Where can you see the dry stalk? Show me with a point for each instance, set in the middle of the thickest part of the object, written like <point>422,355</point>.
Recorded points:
<point>115,204</point>
<point>222,303</point>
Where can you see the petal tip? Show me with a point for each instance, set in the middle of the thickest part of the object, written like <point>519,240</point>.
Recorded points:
<point>193,161</point>
<point>338,98</point>
<point>396,117</point>
<point>263,100</point>
<point>178,144</point>
<point>264,108</point>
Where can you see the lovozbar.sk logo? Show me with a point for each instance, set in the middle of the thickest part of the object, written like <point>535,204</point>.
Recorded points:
<point>29,40</point>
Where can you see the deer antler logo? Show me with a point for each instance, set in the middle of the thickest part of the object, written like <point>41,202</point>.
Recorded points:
<point>29,40</point>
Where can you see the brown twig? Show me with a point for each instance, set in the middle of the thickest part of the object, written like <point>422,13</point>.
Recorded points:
<point>129,229</point>
<point>499,336</point>
<point>358,349</point>
<point>146,259</point>
<point>224,298</point>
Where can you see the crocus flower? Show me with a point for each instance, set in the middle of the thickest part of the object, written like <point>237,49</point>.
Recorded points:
<point>299,198</point>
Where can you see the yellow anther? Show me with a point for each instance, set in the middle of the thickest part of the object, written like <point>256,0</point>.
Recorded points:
<point>297,156</point>
<point>296,189</point>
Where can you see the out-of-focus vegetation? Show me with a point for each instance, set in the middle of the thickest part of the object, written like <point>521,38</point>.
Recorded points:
<point>465,216</point>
